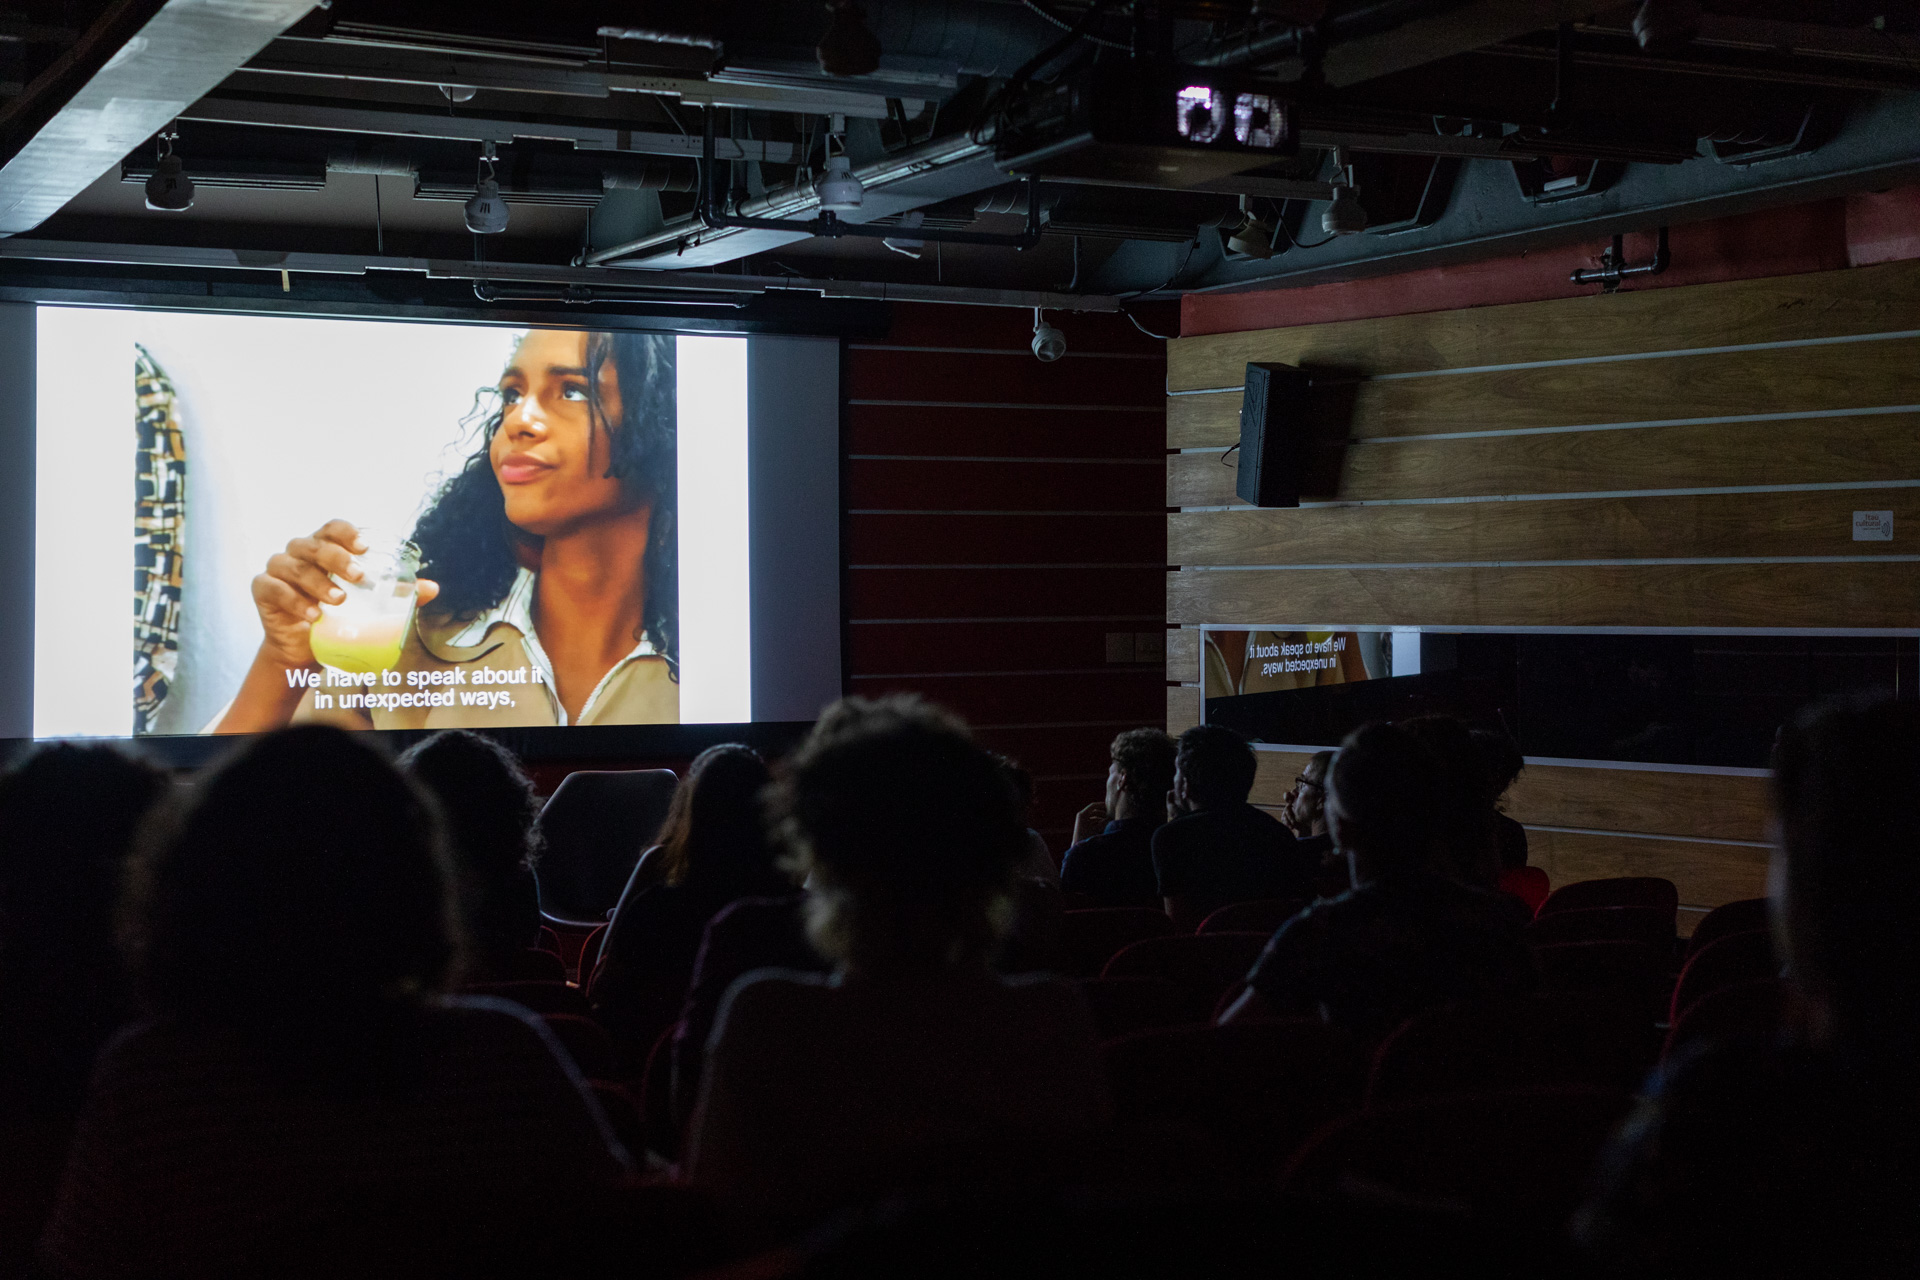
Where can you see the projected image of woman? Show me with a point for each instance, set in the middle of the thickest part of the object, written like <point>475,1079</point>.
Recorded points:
<point>549,563</point>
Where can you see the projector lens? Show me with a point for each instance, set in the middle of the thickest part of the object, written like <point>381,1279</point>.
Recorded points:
<point>1201,113</point>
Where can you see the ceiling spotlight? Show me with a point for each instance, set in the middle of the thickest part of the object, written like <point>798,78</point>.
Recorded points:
<point>1049,344</point>
<point>1662,25</point>
<point>486,209</point>
<point>1252,238</point>
<point>849,48</point>
<point>169,189</point>
<point>1344,215</point>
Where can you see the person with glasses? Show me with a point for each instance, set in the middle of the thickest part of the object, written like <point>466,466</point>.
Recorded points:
<point>1304,810</point>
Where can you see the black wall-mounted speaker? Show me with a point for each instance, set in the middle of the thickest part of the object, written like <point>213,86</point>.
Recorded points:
<point>1273,435</point>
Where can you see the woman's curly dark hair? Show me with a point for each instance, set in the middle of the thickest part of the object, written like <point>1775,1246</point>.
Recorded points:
<point>469,547</point>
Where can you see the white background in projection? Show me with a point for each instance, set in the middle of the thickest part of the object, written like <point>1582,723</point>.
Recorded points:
<point>290,423</point>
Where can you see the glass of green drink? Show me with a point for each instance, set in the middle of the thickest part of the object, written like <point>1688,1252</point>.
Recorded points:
<point>365,631</point>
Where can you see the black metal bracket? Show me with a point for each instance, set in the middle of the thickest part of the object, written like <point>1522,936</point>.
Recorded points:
<point>1613,266</point>
<point>830,227</point>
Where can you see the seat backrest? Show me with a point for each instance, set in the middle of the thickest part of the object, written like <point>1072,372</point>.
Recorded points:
<point>535,966</point>
<point>1088,939</point>
<point>1650,925</point>
<point>1263,915</point>
<point>1600,1038</point>
<point>1632,967</point>
<point>1204,963</point>
<point>1743,916</point>
<point>596,825</point>
<point>539,997</point>
<point>1738,957</point>
<point>1257,1088</point>
<point>1124,1005</point>
<point>1529,884</point>
<point>585,1041</point>
<point>1622,891</point>
<point>1518,1152</point>
<point>1746,1015</point>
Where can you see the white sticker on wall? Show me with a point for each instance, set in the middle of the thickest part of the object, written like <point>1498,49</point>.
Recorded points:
<point>1873,526</point>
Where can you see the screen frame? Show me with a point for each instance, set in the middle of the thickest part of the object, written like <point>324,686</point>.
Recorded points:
<point>771,539</point>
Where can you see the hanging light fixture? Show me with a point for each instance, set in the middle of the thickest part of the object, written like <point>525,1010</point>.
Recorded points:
<point>849,47</point>
<point>486,209</point>
<point>1049,344</point>
<point>837,186</point>
<point>1252,238</point>
<point>1344,215</point>
<point>169,189</point>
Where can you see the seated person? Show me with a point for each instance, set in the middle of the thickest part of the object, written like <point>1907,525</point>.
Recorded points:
<point>912,1060</point>
<point>298,1075</point>
<point>68,817</point>
<point>1111,858</point>
<point>1405,938</point>
<point>713,849</point>
<point>1216,848</point>
<point>488,808</point>
<point>1801,1158</point>
<point>1501,762</point>
<point>1466,845</point>
<point>1305,814</point>
<point>1038,864</point>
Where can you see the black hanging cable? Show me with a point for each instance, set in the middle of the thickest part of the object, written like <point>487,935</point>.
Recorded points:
<point>379,222</point>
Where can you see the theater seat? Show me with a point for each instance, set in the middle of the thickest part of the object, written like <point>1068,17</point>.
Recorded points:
<point>585,1041</point>
<point>1263,915</point>
<point>1512,1155</point>
<point>1650,925</point>
<point>595,826</point>
<point>1622,891</point>
<point>623,1115</point>
<point>1743,916</point>
<point>1632,967</point>
<point>1204,964</point>
<point>1746,1015</point>
<point>1088,939</point>
<point>1598,1038</point>
<point>1737,957</point>
<point>536,966</point>
<point>1529,884</point>
<point>1124,1005</point>
<point>1256,1089</point>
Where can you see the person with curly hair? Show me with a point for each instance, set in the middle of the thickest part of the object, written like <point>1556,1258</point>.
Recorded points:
<point>913,1062</point>
<point>553,552</point>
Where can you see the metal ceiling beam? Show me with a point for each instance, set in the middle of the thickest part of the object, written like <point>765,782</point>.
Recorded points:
<point>130,87</point>
<point>194,258</point>
<point>282,113</point>
<point>1487,216</point>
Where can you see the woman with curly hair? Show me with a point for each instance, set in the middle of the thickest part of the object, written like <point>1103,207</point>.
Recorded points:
<point>553,553</point>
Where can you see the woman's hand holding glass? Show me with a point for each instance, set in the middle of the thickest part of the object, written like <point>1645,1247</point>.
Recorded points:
<point>298,580</point>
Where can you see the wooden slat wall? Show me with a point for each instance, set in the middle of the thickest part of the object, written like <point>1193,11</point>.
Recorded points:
<point>1689,457</point>
<point>1004,516</point>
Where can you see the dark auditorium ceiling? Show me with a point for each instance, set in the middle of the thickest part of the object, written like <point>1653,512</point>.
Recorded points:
<point>341,139</point>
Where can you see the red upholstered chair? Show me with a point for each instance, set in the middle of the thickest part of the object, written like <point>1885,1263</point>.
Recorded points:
<point>1264,915</point>
<point>1204,964</point>
<point>1746,1015</point>
<point>1599,1038</point>
<point>1257,1089</point>
<point>1738,957</point>
<point>536,966</point>
<point>590,958</point>
<point>595,826</point>
<point>540,997</point>
<point>1088,939</point>
<point>656,1096</point>
<point>1744,916</point>
<point>1529,884</point>
<point>1624,891</point>
<point>1521,1153</point>
<point>1124,1005</point>
<point>585,1041</point>
<point>1650,925</point>
<point>1632,967</point>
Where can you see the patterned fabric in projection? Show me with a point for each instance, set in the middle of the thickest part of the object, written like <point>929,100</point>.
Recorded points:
<point>159,533</point>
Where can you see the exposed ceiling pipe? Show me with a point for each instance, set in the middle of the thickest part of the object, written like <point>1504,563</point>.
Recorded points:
<point>686,282</point>
<point>789,201</point>
<point>115,89</point>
